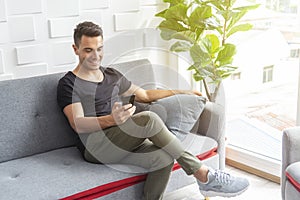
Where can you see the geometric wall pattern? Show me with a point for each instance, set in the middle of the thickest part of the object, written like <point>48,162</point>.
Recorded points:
<point>36,35</point>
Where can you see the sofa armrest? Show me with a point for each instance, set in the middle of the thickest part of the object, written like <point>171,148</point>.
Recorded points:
<point>290,151</point>
<point>212,124</point>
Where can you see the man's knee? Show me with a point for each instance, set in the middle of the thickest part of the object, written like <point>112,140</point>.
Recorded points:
<point>146,117</point>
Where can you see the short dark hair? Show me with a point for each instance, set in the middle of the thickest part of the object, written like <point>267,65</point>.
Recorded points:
<point>88,29</point>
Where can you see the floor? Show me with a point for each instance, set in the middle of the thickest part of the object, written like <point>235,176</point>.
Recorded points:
<point>260,189</point>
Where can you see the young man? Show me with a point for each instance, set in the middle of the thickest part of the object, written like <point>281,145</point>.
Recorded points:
<point>111,133</point>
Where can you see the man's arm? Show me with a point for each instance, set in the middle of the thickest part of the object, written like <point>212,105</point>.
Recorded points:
<point>82,124</point>
<point>147,96</point>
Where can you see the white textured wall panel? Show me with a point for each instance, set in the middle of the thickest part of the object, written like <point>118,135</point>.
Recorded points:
<point>91,15</point>
<point>23,6</point>
<point>62,53</point>
<point>62,8</point>
<point>62,27</point>
<point>93,4</point>
<point>21,28</point>
<point>31,70</point>
<point>4,38</point>
<point>31,54</point>
<point>2,11</point>
<point>147,19</point>
<point>36,35</point>
<point>122,44</point>
<point>1,62</point>
<point>127,21</point>
<point>125,6</point>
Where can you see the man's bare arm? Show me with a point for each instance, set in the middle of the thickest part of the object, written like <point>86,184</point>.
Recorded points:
<point>147,96</point>
<point>82,124</point>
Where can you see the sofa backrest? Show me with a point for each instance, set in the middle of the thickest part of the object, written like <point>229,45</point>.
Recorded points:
<point>140,72</point>
<point>31,121</point>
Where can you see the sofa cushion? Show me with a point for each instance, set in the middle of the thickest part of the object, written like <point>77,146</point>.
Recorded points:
<point>63,173</point>
<point>53,175</point>
<point>293,174</point>
<point>179,112</point>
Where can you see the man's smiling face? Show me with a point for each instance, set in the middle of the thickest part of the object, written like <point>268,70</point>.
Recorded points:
<point>90,51</point>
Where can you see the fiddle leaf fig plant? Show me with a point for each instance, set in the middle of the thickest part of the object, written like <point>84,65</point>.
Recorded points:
<point>202,27</point>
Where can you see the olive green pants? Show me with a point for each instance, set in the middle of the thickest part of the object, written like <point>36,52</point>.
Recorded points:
<point>144,141</point>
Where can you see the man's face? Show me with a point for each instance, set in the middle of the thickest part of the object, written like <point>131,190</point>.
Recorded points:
<point>90,51</point>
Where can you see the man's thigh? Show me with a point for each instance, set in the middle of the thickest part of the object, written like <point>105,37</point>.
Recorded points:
<point>148,156</point>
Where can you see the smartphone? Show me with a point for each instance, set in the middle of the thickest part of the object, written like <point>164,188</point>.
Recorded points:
<point>128,99</point>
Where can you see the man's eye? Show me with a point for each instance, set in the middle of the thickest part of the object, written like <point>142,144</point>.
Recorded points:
<point>88,50</point>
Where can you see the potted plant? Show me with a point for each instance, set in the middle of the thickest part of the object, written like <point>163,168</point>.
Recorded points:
<point>202,27</point>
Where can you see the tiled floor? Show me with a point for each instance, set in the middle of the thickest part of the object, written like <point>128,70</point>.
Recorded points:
<point>260,189</point>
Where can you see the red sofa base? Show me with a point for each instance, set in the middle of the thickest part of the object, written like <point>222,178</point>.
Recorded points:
<point>111,187</point>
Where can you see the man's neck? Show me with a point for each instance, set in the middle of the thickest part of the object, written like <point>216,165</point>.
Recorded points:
<point>94,75</point>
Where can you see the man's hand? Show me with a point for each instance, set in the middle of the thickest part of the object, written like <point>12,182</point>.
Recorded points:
<point>121,113</point>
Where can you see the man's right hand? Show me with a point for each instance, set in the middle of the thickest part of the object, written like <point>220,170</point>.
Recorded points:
<point>121,113</point>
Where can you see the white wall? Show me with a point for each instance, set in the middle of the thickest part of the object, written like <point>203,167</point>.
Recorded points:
<point>36,35</point>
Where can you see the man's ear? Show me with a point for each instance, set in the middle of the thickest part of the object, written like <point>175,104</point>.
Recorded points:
<point>75,48</point>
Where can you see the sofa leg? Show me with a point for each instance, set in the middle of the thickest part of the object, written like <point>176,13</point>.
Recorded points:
<point>206,198</point>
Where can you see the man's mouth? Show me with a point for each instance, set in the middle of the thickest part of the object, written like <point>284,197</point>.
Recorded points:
<point>93,62</point>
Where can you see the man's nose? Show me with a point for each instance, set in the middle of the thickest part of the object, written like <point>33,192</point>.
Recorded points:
<point>95,54</point>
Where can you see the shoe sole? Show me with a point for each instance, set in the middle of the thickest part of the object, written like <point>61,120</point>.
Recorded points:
<point>221,194</point>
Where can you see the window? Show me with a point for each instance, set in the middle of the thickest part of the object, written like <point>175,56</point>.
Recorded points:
<point>264,102</point>
<point>268,74</point>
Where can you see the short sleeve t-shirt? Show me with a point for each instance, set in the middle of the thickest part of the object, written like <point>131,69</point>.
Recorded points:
<point>97,98</point>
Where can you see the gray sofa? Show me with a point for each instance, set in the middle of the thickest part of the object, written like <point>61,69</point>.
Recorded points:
<point>290,178</point>
<point>39,160</point>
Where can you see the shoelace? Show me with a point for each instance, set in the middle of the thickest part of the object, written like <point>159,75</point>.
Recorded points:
<point>222,177</point>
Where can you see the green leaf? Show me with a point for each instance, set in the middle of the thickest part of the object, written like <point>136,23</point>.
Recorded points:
<point>247,8</point>
<point>241,27</point>
<point>226,54</point>
<point>192,67</point>
<point>172,25</point>
<point>199,56</point>
<point>218,4</point>
<point>211,43</point>
<point>166,34</point>
<point>198,16</point>
<point>180,47</point>
<point>177,13</point>
<point>205,72</point>
<point>212,23</point>
<point>185,35</point>
<point>174,2</point>
<point>235,17</point>
<point>197,77</point>
<point>161,14</point>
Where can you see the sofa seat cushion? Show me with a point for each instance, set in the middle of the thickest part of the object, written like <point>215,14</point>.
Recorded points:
<point>293,174</point>
<point>53,175</point>
<point>63,173</point>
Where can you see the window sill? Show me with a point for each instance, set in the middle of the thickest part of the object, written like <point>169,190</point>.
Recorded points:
<point>253,163</point>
